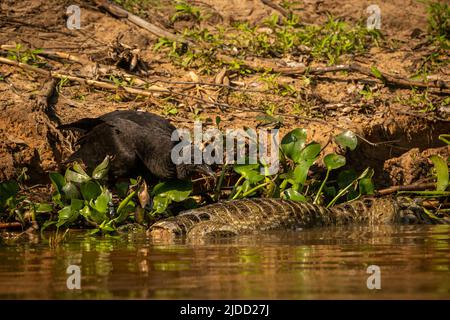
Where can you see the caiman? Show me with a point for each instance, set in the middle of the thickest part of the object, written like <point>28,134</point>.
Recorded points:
<point>245,216</point>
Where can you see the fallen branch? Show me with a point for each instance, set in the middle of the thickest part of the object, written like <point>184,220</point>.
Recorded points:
<point>276,7</point>
<point>122,13</point>
<point>390,79</point>
<point>94,83</point>
<point>10,225</point>
<point>411,187</point>
<point>96,68</point>
<point>259,66</point>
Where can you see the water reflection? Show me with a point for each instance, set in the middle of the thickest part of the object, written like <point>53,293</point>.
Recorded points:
<point>319,263</point>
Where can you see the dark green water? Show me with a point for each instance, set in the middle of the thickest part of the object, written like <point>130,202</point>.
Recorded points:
<point>320,263</point>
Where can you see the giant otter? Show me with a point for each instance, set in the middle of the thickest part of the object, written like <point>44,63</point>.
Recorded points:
<point>139,143</point>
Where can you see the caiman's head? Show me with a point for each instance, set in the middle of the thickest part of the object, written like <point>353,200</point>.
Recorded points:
<point>401,210</point>
<point>412,212</point>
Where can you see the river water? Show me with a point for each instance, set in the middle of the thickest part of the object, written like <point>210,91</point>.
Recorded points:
<point>322,263</point>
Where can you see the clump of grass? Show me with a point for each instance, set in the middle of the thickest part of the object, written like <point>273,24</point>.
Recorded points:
<point>439,35</point>
<point>439,21</point>
<point>185,11</point>
<point>423,101</point>
<point>327,42</point>
<point>336,38</point>
<point>25,55</point>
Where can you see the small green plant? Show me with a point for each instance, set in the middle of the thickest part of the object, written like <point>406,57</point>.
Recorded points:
<point>62,83</point>
<point>27,56</point>
<point>170,110</point>
<point>439,20</point>
<point>439,35</point>
<point>336,38</point>
<point>185,10</point>
<point>423,101</point>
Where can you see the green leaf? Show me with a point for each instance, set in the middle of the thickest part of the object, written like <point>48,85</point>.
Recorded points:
<point>377,73</point>
<point>58,181</point>
<point>65,214</point>
<point>166,192</point>
<point>125,207</point>
<point>69,214</point>
<point>334,161</point>
<point>160,203</point>
<point>90,190</point>
<point>76,204</point>
<point>249,171</point>
<point>441,168</point>
<point>243,169</point>
<point>44,208</point>
<point>101,171</point>
<point>294,195</point>
<point>254,177</point>
<point>347,139</point>
<point>346,177</point>
<point>86,212</point>
<point>310,152</point>
<point>8,190</point>
<point>91,214</point>
<point>106,226</point>
<point>70,191</point>
<point>366,186</point>
<point>293,142</point>
<point>77,168</point>
<point>72,176</point>
<point>94,231</point>
<point>246,186</point>
<point>122,189</point>
<point>301,171</point>
<point>101,203</point>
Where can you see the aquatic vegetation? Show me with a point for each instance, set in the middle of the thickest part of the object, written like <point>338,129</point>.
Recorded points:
<point>85,200</point>
<point>294,181</point>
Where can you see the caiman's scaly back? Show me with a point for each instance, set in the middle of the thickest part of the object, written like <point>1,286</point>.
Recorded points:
<point>262,214</point>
